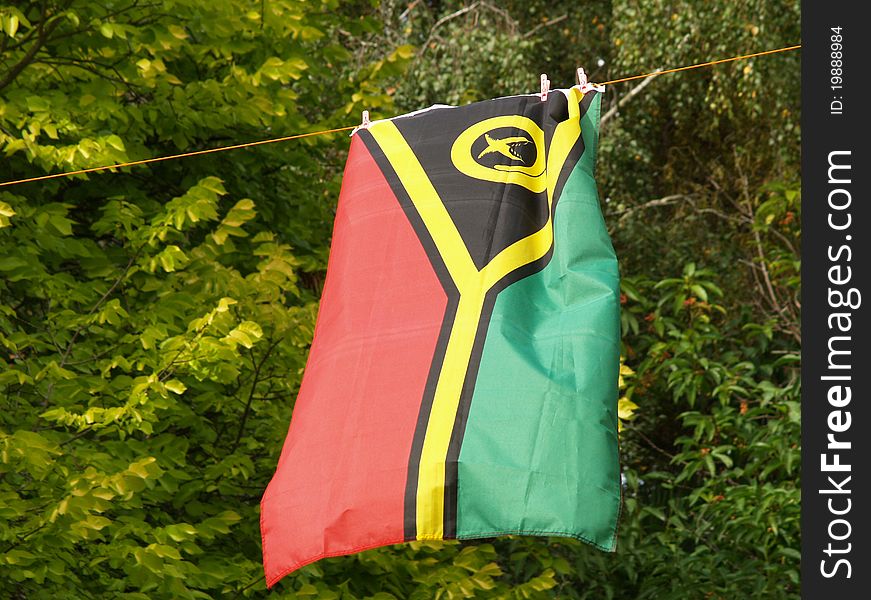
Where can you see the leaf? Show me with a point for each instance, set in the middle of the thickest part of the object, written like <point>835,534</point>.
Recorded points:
<point>406,51</point>
<point>16,376</point>
<point>164,551</point>
<point>144,468</point>
<point>18,557</point>
<point>6,214</point>
<point>176,386</point>
<point>172,257</point>
<point>10,25</point>
<point>245,334</point>
<point>181,532</point>
<point>213,184</point>
<point>177,31</point>
<point>61,224</point>
<point>148,559</point>
<point>11,263</point>
<point>709,463</point>
<point>626,408</point>
<point>115,142</point>
<point>94,522</point>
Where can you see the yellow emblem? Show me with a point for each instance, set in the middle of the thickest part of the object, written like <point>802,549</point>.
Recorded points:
<point>532,177</point>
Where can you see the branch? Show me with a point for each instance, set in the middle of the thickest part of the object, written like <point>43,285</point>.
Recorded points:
<point>775,301</point>
<point>25,60</point>
<point>444,20</point>
<point>408,10</point>
<point>80,434</point>
<point>467,9</point>
<point>254,383</point>
<point>99,303</point>
<point>614,110</point>
<point>650,442</point>
<point>43,31</point>
<point>664,201</point>
<point>529,33</point>
<point>250,585</point>
<point>84,65</point>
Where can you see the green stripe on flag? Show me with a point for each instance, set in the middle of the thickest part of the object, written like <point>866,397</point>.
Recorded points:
<point>539,455</point>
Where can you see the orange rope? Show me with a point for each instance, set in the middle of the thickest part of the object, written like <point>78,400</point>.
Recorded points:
<point>174,156</point>
<point>704,64</point>
<point>313,133</point>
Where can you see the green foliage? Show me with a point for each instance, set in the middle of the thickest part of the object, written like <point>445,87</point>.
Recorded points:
<point>477,50</point>
<point>154,322</point>
<point>141,364</point>
<point>723,490</point>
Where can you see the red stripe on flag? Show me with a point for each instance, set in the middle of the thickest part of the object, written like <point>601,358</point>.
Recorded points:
<point>340,481</point>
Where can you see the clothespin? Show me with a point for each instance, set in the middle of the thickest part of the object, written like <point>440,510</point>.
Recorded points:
<point>585,85</point>
<point>364,124</point>
<point>545,87</point>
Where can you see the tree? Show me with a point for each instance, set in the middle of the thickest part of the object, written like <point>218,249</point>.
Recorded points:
<point>153,325</point>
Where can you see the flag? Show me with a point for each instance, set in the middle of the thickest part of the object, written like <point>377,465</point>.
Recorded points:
<point>462,380</point>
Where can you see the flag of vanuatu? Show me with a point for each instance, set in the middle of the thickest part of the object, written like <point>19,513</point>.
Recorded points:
<point>462,381</point>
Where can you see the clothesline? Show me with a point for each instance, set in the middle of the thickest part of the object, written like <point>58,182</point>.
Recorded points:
<point>350,127</point>
<point>704,64</point>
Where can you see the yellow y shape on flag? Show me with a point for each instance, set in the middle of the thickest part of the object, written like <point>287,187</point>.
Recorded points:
<point>473,284</point>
